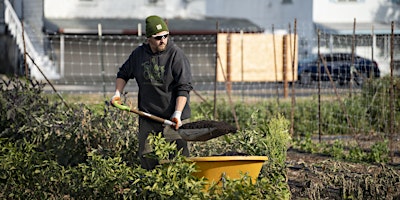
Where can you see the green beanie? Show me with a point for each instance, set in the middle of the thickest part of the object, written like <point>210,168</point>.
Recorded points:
<point>154,25</point>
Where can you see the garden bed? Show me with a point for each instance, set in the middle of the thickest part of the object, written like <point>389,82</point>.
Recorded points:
<point>316,176</point>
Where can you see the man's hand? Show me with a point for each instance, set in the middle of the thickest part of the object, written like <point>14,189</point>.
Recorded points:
<point>176,117</point>
<point>116,98</point>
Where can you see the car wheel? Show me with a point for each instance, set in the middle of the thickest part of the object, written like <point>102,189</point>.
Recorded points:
<point>342,81</point>
<point>359,78</point>
<point>305,78</point>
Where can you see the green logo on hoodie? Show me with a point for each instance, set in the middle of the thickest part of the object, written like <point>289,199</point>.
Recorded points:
<point>153,72</point>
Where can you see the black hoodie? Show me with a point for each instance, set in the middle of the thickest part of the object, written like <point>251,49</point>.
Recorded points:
<point>161,78</point>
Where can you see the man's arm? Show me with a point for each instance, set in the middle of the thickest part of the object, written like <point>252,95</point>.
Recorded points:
<point>176,117</point>
<point>119,87</point>
<point>180,103</point>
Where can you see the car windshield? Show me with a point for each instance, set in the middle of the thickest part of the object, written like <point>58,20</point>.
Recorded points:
<point>328,58</point>
<point>310,58</point>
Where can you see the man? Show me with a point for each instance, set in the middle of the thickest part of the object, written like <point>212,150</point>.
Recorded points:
<point>163,75</point>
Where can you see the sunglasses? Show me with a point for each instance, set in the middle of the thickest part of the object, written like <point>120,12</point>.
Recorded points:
<point>161,37</point>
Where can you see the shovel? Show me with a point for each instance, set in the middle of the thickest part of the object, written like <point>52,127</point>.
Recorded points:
<point>195,131</point>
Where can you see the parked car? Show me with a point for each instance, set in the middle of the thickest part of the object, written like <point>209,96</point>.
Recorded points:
<point>339,67</point>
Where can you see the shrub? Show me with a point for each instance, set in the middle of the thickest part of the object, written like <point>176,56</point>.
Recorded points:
<point>269,137</point>
<point>376,96</point>
<point>379,152</point>
<point>49,151</point>
<point>26,173</point>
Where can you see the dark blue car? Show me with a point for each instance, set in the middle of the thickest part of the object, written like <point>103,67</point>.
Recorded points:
<point>339,66</point>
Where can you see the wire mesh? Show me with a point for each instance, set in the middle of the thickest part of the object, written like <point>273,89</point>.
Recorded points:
<point>254,75</point>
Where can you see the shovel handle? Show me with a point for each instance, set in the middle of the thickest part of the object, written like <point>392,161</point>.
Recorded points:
<point>145,114</point>
<point>153,117</point>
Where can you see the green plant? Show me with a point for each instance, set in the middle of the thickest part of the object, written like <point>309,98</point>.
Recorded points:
<point>379,152</point>
<point>306,144</point>
<point>269,137</point>
<point>26,173</point>
<point>376,96</point>
<point>337,150</point>
<point>233,189</point>
<point>89,151</point>
<point>356,154</point>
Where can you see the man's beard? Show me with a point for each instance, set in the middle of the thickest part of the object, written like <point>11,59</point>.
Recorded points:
<point>161,47</point>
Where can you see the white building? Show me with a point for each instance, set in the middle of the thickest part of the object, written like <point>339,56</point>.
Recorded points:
<point>370,19</point>
<point>335,17</point>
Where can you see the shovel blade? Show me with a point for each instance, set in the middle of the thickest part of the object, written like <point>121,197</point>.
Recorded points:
<point>205,130</point>
<point>199,134</point>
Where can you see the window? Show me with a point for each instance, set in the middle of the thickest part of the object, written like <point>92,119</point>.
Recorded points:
<point>349,1</point>
<point>155,2</point>
<point>395,2</point>
<point>344,1</point>
<point>152,1</point>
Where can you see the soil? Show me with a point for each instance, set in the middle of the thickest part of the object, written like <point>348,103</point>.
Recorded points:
<point>209,129</point>
<point>313,176</point>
